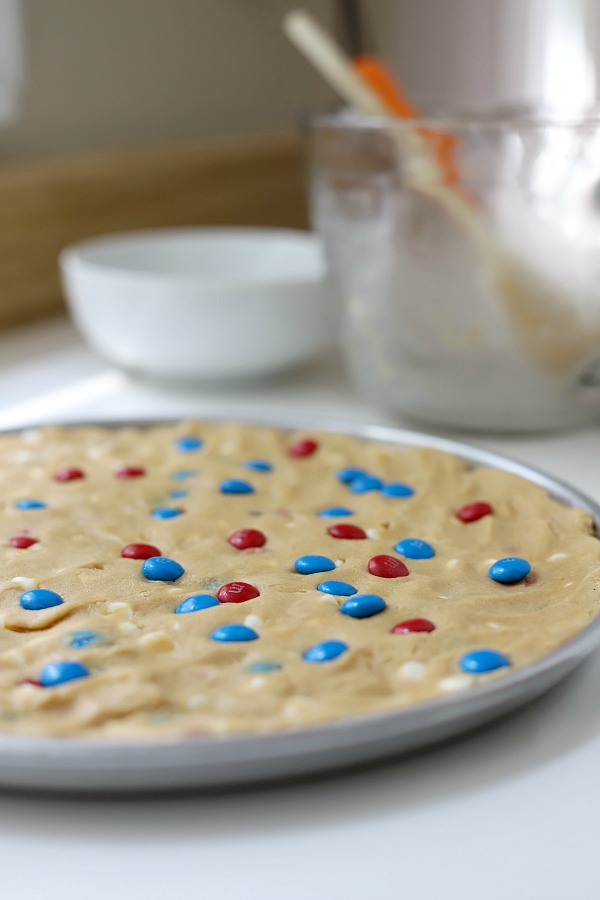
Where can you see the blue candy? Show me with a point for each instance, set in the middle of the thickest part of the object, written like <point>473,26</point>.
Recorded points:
<point>397,489</point>
<point>263,665</point>
<point>509,570</point>
<point>325,651</point>
<point>161,568</point>
<point>30,504</point>
<point>337,588</point>
<point>476,662</point>
<point>59,672</point>
<point>335,511</point>
<point>178,495</point>
<point>229,633</point>
<point>308,565</point>
<point>258,465</point>
<point>189,444</point>
<point>197,602</point>
<point>183,474</point>
<point>84,638</point>
<point>236,486</point>
<point>349,474</point>
<point>413,548</point>
<point>362,606</point>
<point>166,512</point>
<point>365,483</point>
<point>39,598</point>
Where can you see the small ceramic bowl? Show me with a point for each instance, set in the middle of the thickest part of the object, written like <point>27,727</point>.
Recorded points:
<point>200,303</point>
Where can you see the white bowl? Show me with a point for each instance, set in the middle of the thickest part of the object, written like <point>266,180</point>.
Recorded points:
<point>200,303</point>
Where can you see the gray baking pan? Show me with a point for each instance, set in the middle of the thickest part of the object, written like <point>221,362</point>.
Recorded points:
<point>64,764</point>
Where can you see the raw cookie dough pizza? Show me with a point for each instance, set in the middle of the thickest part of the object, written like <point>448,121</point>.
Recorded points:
<point>205,578</point>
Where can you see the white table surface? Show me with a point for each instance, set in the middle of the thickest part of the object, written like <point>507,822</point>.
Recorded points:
<point>509,813</point>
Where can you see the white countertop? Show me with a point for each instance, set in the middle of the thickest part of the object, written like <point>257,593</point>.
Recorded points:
<point>509,813</point>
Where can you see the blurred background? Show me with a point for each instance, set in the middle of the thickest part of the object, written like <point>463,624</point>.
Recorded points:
<point>133,113</point>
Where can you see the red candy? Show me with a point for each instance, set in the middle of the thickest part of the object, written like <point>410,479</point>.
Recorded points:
<point>130,472</point>
<point>387,566</point>
<point>471,512</point>
<point>140,551</point>
<point>237,592</point>
<point>68,474</point>
<point>30,681</point>
<point>412,625</point>
<point>246,537</point>
<point>21,542</point>
<point>305,447</point>
<point>349,532</point>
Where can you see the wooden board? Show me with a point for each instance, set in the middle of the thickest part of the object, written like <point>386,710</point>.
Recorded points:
<point>46,205</point>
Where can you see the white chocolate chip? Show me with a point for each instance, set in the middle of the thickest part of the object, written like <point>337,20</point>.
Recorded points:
<point>339,562</point>
<point>31,436</point>
<point>256,682</point>
<point>25,456</point>
<point>156,641</point>
<point>196,701</point>
<point>120,606</point>
<point>412,669</point>
<point>556,556</point>
<point>27,583</point>
<point>455,683</point>
<point>453,563</point>
<point>253,621</point>
<point>372,533</point>
<point>128,627</point>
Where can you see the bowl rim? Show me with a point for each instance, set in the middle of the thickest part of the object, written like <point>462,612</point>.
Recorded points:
<point>73,258</point>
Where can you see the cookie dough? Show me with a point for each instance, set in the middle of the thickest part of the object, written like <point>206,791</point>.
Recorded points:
<point>253,516</point>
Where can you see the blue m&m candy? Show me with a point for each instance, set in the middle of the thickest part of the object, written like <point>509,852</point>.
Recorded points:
<point>335,511</point>
<point>161,568</point>
<point>364,483</point>
<point>59,672</point>
<point>350,474</point>
<point>30,504</point>
<point>232,633</point>
<point>263,665</point>
<point>189,444</point>
<point>85,638</point>
<point>166,512</point>
<point>40,598</point>
<point>258,465</point>
<point>397,489</point>
<point>308,565</point>
<point>477,662</point>
<point>413,548</point>
<point>236,486</point>
<point>337,588</point>
<point>197,602</point>
<point>509,570</point>
<point>363,606</point>
<point>184,474</point>
<point>325,651</point>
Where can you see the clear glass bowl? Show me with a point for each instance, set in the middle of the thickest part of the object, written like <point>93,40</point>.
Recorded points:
<point>473,304</point>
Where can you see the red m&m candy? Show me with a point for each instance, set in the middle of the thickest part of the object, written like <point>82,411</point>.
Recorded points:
<point>130,472</point>
<point>237,592</point>
<point>22,542</point>
<point>471,512</point>
<point>411,626</point>
<point>348,532</point>
<point>68,475</point>
<point>387,566</point>
<point>304,447</point>
<point>247,537</point>
<point>140,551</point>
